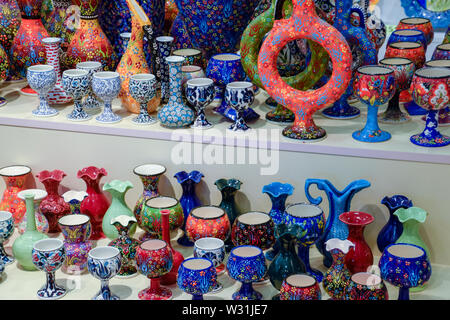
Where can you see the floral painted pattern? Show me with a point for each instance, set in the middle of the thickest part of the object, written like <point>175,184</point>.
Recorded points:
<point>196,282</point>
<point>259,235</point>
<point>154,263</point>
<point>151,220</point>
<point>197,228</point>
<point>290,292</point>
<point>10,201</point>
<point>426,27</point>
<point>415,54</point>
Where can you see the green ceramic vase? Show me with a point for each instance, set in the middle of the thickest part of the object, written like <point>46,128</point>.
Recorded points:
<point>118,207</point>
<point>23,245</point>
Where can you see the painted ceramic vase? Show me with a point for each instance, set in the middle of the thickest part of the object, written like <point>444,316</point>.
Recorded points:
<point>91,101</point>
<point>154,259</point>
<point>405,266</point>
<point>149,175</point>
<point>107,85</point>
<point>4,71</point>
<point>42,78</point>
<point>96,203</point>
<point>196,276</point>
<point>374,86</point>
<point>364,51</point>
<point>393,228</point>
<point>304,104</point>
<point>200,93</point>
<point>104,263</point>
<point>151,220</point>
<point>171,277</point>
<point>278,193</point>
<point>76,229</point>
<point>431,90</point>
<point>126,244</point>
<point>41,220</point>
<point>422,24</point>
<point>164,45</point>
<point>23,245</point>
<point>171,12</point>
<point>367,286</point>
<point>142,88</point>
<point>408,35</point>
<point>403,71</point>
<point>228,189</point>
<point>339,202</point>
<point>58,94</point>
<point>117,189</point>
<point>311,219</point>
<point>14,178</point>
<point>215,26</point>
<point>89,43</point>
<point>10,19</point>
<point>74,199</point>
<point>48,256</point>
<point>179,34</point>
<point>175,114</point>
<point>255,229</point>
<point>360,256</point>
<point>53,206</point>
<point>192,57</point>
<point>441,52</point>
<point>6,231</point>
<point>189,199</point>
<point>27,48</point>
<point>246,264</point>
<point>411,218</point>
<point>337,278</point>
<point>443,114</point>
<point>300,287</point>
<point>239,95</point>
<point>76,84</point>
<point>212,249</point>
<point>208,221</point>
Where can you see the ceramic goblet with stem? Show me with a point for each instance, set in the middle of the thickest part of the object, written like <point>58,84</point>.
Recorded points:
<point>75,83</point>
<point>443,114</point>
<point>431,90</point>
<point>239,95</point>
<point>91,102</point>
<point>6,231</point>
<point>143,89</point>
<point>42,78</point>
<point>197,276</point>
<point>374,86</point>
<point>104,263</point>
<point>48,255</point>
<point>200,93</point>
<point>106,85</point>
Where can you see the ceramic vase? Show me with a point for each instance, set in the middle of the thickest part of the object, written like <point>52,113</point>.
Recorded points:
<point>411,218</point>
<point>208,221</point>
<point>42,78</point>
<point>164,45</point>
<point>175,114</point>
<point>278,193</point>
<point>255,229</point>
<point>441,52</point>
<point>76,83</point>
<point>23,245</point>
<point>53,206</point>
<point>419,23</point>
<point>149,175</point>
<point>41,220</point>
<point>337,278</point>
<point>57,95</point>
<point>408,35</point>
<point>304,104</point>
<point>300,287</point>
<point>212,249</point>
<point>126,244</point>
<point>367,286</point>
<point>189,199</point>
<point>393,228</point>
<point>192,57</point>
<point>74,199</point>
<point>6,231</point>
<point>96,203</point>
<point>118,207</point>
<point>10,19</point>
<point>106,86</point>
<point>171,277</point>
<point>89,43</point>
<point>339,202</point>
<point>14,178</point>
<point>228,189</point>
<point>405,266</point>
<point>196,276</point>
<point>91,101</point>
<point>76,229</point>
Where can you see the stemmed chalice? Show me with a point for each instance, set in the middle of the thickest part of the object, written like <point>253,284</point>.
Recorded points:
<point>200,92</point>
<point>239,95</point>
<point>76,83</point>
<point>143,89</point>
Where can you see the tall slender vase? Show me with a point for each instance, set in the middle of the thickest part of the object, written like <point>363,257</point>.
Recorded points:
<point>164,45</point>
<point>189,199</point>
<point>339,202</point>
<point>23,245</point>
<point>41,221</point>
<point>57,95</point>
<point>89,42</point>
<point>96,203</point>
<point>133,61</point>
<point>9,26</point>
<point>14,177</point>
<point>171,277</point>
<point>53,206</point>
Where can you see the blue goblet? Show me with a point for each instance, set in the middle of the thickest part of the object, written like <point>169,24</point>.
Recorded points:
<point>239,95</point>
<point>76,84</point>
<point>196,276</point>
<point>6,231</point>
<point>143,89</point>
<point>408,35</point>
<point>212,249</point>
<point>42,78</point>
<point>91,101</point>
<point>107,85</point>
<point>200,93</point>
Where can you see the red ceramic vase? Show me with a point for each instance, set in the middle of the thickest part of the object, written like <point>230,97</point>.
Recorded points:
<point>171,277</point>
<point>359,257</point>
<point>208,221</point>
<point>53,206</point>
<point>422,24</point>
<point>96,203</point>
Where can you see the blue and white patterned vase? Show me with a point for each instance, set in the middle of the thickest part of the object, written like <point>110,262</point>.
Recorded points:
<point>143,89</point>
<point>189,199</point>
<point>339,202</point>
<point>196,276</point>
<point>48,255</point>
<point>393,228</point>
<point>239,95</point>
<point>246,264</point>
<point>212,249</point>
<point>6,231</point>
<point>408,35</point>
<point>76,83</point>
<point>164,45</point>
<point>175,114</point>
<point>91,101</point>
<point>104,263</point>
<point>106,85</point>
<point>200,93</point>
<point>42,78</point>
